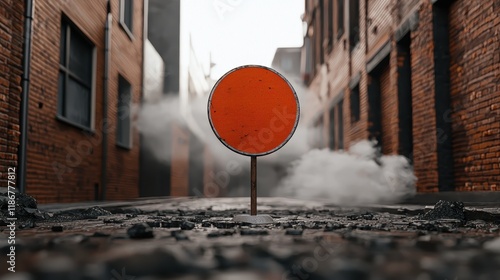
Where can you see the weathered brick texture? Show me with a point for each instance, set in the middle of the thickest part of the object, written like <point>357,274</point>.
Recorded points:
<point>64,162</point>
<point>11,51</point>
<point>475,91</point>
<point>474,36</point>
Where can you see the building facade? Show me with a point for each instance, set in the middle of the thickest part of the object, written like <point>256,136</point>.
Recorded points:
<point>420,76</point>
<point>184,171</point>
<point>85,74</point>
<point>11,55</point>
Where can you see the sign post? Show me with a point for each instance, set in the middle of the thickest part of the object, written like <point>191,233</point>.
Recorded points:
<point>253,110</point>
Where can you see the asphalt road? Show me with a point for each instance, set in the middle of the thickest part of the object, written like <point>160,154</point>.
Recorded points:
<point>195,238</point>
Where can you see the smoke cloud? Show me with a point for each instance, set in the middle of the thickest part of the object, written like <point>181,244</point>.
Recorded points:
<point>355,177</point>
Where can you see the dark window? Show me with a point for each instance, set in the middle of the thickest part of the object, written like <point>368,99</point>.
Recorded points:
<point>127,14</point>
<point>75,76</point>
<point>354,99</point>
<point>332,129</point>
<point>319,33</point>
<point>353,23</point>
<point>123,113</point>
<point>340,18</point>
<point>319,132</point>
<point>328,26</point>
<point>340,124</point>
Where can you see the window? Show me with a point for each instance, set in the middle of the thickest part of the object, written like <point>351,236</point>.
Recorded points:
<point>340,124</point>
<point>332,129</point>
<point>318,135</point>
<point>123,131</point>
<point>336,137</point>
<point>340,18</point>
<point>318,34</point>
<point>354,98</point>
<point>76,59</point>
<point>127,15</point>
<point>353,23</point>
<point>328,25</point>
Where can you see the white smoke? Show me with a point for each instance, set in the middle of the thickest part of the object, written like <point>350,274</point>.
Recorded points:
<point>349,178</point>
<point>354,177</point>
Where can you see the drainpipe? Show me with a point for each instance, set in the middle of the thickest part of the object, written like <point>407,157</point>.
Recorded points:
<point>105,127</point>
<point>28,20</point>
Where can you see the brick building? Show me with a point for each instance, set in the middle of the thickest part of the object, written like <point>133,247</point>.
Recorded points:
<point>188,164</point>
<point>81,144</point>
<point>11,54</point>
<point>420,76</point>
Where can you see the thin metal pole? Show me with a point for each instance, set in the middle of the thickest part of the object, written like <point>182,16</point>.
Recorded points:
<point>253,186</point>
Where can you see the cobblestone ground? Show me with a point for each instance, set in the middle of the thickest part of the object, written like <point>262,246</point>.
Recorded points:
<point>196,239</point>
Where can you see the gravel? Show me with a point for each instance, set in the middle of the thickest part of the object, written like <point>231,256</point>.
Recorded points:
<point>305,242</point>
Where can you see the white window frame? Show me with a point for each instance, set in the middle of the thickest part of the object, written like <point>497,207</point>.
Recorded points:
<point>125,27</point>
<point>59,116</point>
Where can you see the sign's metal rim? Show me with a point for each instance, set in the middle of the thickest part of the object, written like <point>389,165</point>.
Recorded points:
<point>234,149</point>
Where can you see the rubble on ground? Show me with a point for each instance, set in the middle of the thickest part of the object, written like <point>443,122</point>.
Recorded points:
<point>197,239</point>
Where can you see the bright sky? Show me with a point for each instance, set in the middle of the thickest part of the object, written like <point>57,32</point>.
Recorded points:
<point>239,32</point>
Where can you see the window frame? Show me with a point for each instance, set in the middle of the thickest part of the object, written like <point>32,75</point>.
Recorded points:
<point>70,27</point>
<point>123,24</point>
<point>119,142</point>
<point>354,34</point>
<point>355,114</point>
<point>340,22</point>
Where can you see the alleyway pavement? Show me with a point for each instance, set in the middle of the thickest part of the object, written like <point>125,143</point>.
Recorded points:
<point>195,238</point>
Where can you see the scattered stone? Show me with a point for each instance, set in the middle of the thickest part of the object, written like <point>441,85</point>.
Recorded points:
<point>286,225</point>
<point>171,223</point>
<point>82,214</point>
<point>140,231</point>
<point>113,221</point>
<point>220,233</point>
<point>294,232</point>
<point>198,219</point>
<point>446,210</point>
<point>179,235</point>
<point>333,226</point>
<point>187,225</point>
<point>156,224</point>
<point>206,224</point>
<point>57,228</point>
<point>225,225</point>
<point>254,232</point>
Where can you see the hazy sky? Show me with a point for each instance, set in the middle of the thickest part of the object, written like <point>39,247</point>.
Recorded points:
<point>239,32</point>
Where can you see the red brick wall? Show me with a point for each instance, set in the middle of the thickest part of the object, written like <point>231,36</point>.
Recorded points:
<point>475,92</point>
<point>126,60</point>
<point>180,162</point>
<point>11,48</point>
<point>64,163</point>
<point>475,87</point>
<point>379,23</point>
<point>424,116</point>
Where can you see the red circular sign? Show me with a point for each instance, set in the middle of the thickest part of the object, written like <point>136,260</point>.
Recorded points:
<point>253,110</point>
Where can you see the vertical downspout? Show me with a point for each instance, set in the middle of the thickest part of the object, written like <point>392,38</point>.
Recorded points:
<point>28,19</point>
<point>143,86</point>
<point>105,127</point>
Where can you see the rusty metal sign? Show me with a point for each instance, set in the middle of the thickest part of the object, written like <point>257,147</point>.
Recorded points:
<point>254,111</point>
